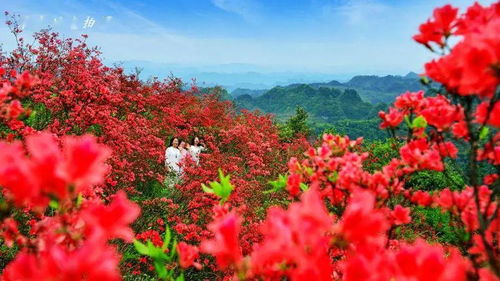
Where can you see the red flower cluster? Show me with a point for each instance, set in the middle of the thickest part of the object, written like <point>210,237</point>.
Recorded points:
<point>472,66</point>
<point>295,242</point>
<point>304,242</point>
<point>347,222</point>
<point>50,172</point>
<point>439,28</point>
<point>72,243</point>
<point>357,241</point>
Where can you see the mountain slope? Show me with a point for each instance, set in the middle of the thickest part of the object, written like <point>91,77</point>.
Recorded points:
<point>371,88</point>
<point>323,104</point>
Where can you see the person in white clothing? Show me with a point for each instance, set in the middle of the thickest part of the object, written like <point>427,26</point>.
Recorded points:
<point>195,149</point>
<point>184,149</point>
<point>173,156</point>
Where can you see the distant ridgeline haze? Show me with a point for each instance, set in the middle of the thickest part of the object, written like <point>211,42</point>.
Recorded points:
<point>349,108</point>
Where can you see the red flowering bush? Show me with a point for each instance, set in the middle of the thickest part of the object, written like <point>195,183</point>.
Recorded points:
<point>75,94</point>
<point>74,131</point>
<point>71,241</point>
<point>346,224</point>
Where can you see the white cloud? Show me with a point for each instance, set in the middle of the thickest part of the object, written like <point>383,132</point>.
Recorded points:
<point>355,11</point>
<point>247,9</point>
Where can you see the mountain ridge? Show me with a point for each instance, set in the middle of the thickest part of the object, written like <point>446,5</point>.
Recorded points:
<point>371,88</point>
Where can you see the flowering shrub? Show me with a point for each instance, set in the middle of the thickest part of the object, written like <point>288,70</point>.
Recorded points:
<point>69,242</point>
<point>346,224</point>
<point>75,131</point>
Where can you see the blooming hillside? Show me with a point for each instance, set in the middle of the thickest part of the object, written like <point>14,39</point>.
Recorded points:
<point>86,195</point>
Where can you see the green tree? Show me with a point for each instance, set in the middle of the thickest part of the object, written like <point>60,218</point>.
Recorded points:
<point>295,125</point>
<point>298,122</point>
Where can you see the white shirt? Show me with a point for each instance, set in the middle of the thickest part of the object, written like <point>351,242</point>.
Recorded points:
<point>195,153</point>
<point>172,159</point>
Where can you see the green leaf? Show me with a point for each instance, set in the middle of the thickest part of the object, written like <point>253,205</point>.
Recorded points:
<point>161,270</point>
<point>278,184</point>
<point>309,170</point>
<point>484,133</point>
<point>419,122</point>
<point>54,204</point>
<point>141,248</point>
<point>424,80</point>
<point>303,186</point>
<point>166,240</point>
<point>180,277</point>
<point>207,189</point>
<point>173,251</point>
<point>226,186</point>
<point>407,121</point>
<point>222,189</point>
<point>333,177</point>
<point>79,199</point>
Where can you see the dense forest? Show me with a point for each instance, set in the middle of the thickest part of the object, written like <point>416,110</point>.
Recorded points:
<point>349,108</point>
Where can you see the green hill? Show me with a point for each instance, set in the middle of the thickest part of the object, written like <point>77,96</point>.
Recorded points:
<point>324,105</point>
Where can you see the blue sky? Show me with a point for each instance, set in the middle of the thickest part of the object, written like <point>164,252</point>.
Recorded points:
<point>317,36</point>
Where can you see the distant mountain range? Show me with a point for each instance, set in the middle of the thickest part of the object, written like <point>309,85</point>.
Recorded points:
<point>371,88</point>
<point>323,104</point>
<point>351,107</point>
<point>230,76</point>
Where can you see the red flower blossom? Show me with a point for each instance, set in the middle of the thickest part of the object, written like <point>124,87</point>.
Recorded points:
<point>401,215</point>
<point>84,165</point>
<point>112,221</point>
<point>485,113</point>
<point>437,29</point>
<point>361,222</point>
<point>419,155</point>
<point>410,101</point>
<point>391,119</point>
<point>289,237</point>
<point>225,246</point>
<point>91,262</point>
<point>293,184</point>
<point>188,255</point>
<point>440,113</point>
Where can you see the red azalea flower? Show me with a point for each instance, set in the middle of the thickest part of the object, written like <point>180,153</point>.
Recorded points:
<point>112,221</point>
<point>188,255</point>
<point>225,246</point>
<point>401,215</point>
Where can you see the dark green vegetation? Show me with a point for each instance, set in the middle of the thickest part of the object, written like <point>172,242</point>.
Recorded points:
<point>371,88</point>
<point>349,108</point>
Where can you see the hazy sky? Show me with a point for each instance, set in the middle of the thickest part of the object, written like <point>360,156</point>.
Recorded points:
<point>328,36</point>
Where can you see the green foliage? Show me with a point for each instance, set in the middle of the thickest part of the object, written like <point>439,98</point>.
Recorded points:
<point>278,185</point>
<point>324,104</point>
<point>155,189</point>
<point>295,125</point>
<point>386,88</point>
<point>40,117</point>
<point>298,122</point>
<point>437,225</point>
<point>434,180</point>
<point>419,123</point>
<point>218,91</point>
<point>381,153</point>
<point>161,256</point>
<point>222,189</point>
<point>368,129</point>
